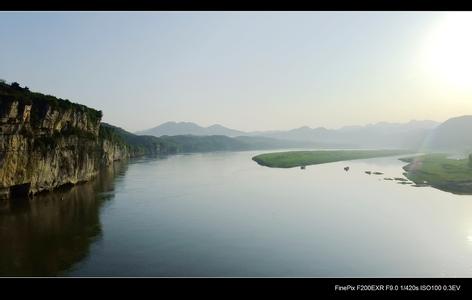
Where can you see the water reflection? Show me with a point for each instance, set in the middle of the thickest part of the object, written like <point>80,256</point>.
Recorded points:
<point>221,214</point>
<point>46,235</point>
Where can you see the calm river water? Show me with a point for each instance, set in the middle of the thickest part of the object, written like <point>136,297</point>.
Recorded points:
<point>221,214</point>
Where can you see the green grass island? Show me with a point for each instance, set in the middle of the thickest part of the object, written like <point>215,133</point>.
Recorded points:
<point>292,159</point>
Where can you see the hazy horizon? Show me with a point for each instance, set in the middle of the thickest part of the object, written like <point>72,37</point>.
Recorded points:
<point>300,126</point>
<point>250,71</point>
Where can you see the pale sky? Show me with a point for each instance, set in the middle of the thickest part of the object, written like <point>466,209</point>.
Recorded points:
<point>246,70</point>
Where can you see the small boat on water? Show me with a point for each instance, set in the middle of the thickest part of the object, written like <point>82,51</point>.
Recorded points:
<point>346,169</point>
<point>368,172</point>
<point>302,167</point>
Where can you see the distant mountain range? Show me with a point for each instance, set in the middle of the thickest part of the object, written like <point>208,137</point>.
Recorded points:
<point>186,128</point>
<point>384,135</point>
<point>166,144</point>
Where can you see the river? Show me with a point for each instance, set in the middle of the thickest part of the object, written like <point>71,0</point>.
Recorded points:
<point>221,214</point>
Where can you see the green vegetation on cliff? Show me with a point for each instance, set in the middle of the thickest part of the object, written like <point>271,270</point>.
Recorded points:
<point>137,144</point>
<point>303,158</point>
<point>193,143</point>
<point>40,103</point>
<point>438,171</point>
<point>146,144</point>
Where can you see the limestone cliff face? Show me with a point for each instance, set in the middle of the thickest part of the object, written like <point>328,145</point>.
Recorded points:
<point>44,146</point>
<point>16,116</point>
<point>113,151</point>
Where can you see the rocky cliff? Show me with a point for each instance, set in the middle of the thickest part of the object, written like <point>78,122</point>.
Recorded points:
<point>47,142</point>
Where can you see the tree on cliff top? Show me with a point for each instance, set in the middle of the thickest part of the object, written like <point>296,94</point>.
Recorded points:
<point>15,85</point>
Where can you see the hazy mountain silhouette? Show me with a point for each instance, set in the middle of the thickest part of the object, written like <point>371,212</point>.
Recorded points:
<point>186,128</point>
<point>383,134</point>
<point>452,135</point>
<point>410,135</point>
